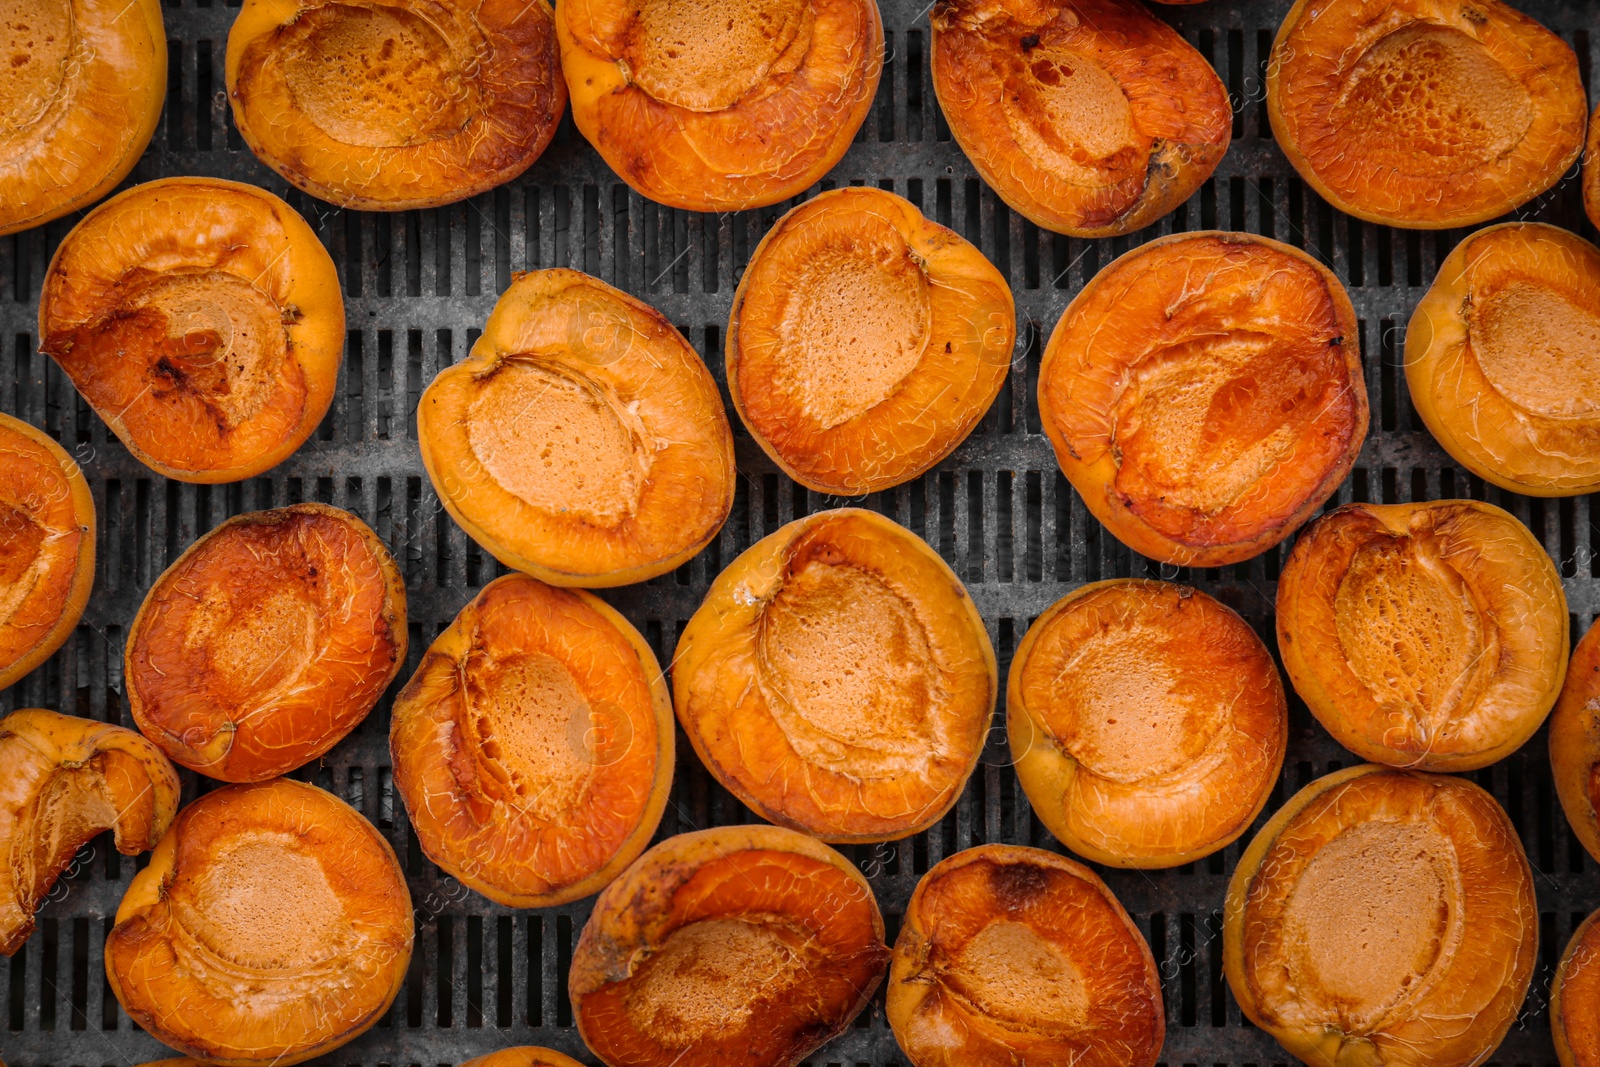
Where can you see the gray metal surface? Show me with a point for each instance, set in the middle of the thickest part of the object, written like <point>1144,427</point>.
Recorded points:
<point>418,287</point>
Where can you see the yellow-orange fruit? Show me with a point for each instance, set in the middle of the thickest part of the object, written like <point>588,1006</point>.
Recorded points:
<point>523,1056</point>
<point>1204,395</point>
<point>1575,742</point>
<point>1591,171</point>
<point>865,341</point>
<point>1575,998</point>
<point>202,320</point>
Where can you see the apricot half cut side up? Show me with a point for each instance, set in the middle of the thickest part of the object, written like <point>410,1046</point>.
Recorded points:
<point>82,92</point>
<point>1426,114</point>
<point>865,341</point>
<point>1429,635</point>
<point>1147,721</point>
<point>202,321</point>
<point>1575,742</point>
<point>1090,117</point>
<point>1575,998</point>
<point>66,779</point>
<point>534,746</point>
<point>1015,955</point>
<point>753,945</point>
<point>1503,358</point>
<point>1204,395</point>
<point>272,925</point>
<point>267,642</point>
<point>523,1056</point>
<point>720,105</point>
<point>47,534</point>
<point>838,679</point>
<point>582,441</point>
<point>1383,916</point>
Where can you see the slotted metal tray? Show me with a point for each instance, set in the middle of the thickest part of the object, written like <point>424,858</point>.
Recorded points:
<point>418,287</point>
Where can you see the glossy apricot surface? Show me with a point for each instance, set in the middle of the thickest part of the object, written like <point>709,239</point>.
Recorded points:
<point>533,747</point>
<point>1090,117</point>
<point>1424,113</point>
<point>583,441</point>
<point>272,925</point>
<point>1575,999</point>
<point>865,341</point>
<point>1575,742</point>
<point>1147,721</point>
<point>1428,635</point>
<point>202,321</point>
<point>1382,917</point>
<point>752,945</point>
<point>1204,395</point>
<point>523,1056</point>
<point>266,642</point>
<point>720,105</point>
<point>838,679</point>
<point>67,779</point>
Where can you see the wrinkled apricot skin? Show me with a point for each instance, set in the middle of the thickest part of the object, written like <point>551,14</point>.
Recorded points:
<point>1428,635</point>
<point>1013,955</point>
<point>720,105</point>
<point>202,321</point>
<point>82,93</point>
<point>523,1056</point>
<point>272,925</point>
<point>1147,722</point>
<point>583,441</point>
<point>1501,359</point>
<point>832,615</point>
<point>1383,916</point>
<point>1575,742</point>
<point>1591,171</point>
<point>752,945</point>
<point>66,779</point>
<point>1204,395</point>
<point>47,537</point>
<point>534,746</point>
<point>1090,117</point>
<point>865,342</point>
<point>266,642</point>
<point>1425,114</point>
<point>1575,998</point>
<point>408,104</point>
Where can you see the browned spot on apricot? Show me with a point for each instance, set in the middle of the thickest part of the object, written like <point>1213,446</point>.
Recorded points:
<point>1575,998</point>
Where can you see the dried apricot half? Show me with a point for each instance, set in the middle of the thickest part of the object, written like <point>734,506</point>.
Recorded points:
<point>267,642</point>
<point>583,441</point>
<point>743,944</point>
<point>1428,635</point>
<point>1204,395</point>
<point>272,925</point>
<point>1015,955</point>
<point>1426,114</point>
<point>533,747</point>
<point>202,320</point>
<point>1090,117</point>
<point>523,1056</point>
<point>1575,998</point>
<point>838,679</point>
<point>1383,916</point>
<point>66,779</point>
<point>1575,742</point>
<point>865,341</point>
<point>1147,721</point>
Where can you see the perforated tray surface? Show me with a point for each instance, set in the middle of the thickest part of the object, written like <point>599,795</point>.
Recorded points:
<point>418,287</point>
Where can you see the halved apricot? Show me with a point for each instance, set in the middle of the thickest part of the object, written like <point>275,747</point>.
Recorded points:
<point>1014,955</point>
<point>272,925</point>
<point>744,944</point>
<point>202,320</point>
<point>1428,635</point>
<point>1591,170</point>
<point>838,679</point>
<point>1383,916</point>
<point>67,779</point>
<point>523,1056</point>
<point>720,105</point>
<point>583,441</point>
<point>533,747</point>
<point>1503,358</point>
<point>1090,117</point>
<point>1426,114</point>
<point>407,104</point>
<point>1575,742</point>
<point>82,92</point>
<point>1204,395</point>
<point>267,642</point>
<point>1575,998</point>
<point>47,532</point>
<point>865,341</point>
<point>1147,721</point>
